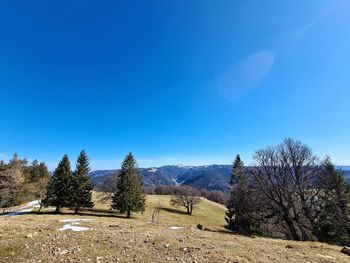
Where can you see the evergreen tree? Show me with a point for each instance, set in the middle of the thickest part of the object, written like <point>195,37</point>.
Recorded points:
<point>334,219</point>
<point>128,196</point>
<point>238,215</point>
<point>237,167</point>
<point>82,195</point>
<point>59,190</point>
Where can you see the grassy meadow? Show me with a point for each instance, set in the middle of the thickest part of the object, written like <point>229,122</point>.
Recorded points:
<point>113,238</point>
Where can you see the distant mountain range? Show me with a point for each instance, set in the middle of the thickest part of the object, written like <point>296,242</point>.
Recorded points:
<point>210,177</point>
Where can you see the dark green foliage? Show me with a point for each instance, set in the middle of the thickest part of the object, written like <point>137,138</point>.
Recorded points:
<point>128,196</point>
<point>59,190</point>
<point>334,219</point>
<point>82,184</point>
<point>241,202</point>
<point>237,166</point>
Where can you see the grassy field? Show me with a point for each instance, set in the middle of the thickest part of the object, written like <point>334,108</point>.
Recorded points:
<point>112,238</point>
<point>211,216</point>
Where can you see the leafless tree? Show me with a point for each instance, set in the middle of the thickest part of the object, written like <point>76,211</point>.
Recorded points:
<point>187,197</point>
<point>287,176</point>
<point>11,179</point>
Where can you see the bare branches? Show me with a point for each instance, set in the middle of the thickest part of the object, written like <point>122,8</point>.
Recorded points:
<point>187,197</point>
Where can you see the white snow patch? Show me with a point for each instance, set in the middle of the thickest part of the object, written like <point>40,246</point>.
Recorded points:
<point>72,224</point>
<point>34,204</point>
<point>152,170</point>
<point>74,220</point>
<point>176,227</point>
<point>26,208</point>
<point>73,228</point>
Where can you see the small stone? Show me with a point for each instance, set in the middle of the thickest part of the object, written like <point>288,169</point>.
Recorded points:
<point>346,250</point>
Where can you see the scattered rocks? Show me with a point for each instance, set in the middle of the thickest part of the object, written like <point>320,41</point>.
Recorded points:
<point>59,251</point>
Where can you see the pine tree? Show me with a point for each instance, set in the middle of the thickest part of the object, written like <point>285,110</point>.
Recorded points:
<point>128,196</point>
<point>59,190</point>
<point>230,213</point>
<point>238,213</point>
<point>82,195</point>
<point>334,217</point>
<point>237,167</point>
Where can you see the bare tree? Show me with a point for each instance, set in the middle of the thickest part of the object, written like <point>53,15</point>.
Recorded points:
<point>289,177</point>
<point>187,197</point>
<point>11,179</point>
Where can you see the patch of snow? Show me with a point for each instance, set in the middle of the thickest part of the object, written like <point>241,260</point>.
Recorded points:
<point>174,180</point>
<point>152,170</point>
<point>72,224</point>
<point>176,227</point>
<point>73,228</point>
<point>74,220</point>
<point>26,208</point>
<point>34,204</point>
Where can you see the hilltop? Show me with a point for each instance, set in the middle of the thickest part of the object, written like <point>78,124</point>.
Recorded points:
<point>174,238</point>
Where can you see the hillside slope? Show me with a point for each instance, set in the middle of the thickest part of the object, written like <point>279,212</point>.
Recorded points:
<point>35,238</point>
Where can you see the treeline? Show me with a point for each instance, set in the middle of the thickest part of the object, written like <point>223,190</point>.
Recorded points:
<point>212,195</point>
<point>21,182</point>
<point>291,194</point>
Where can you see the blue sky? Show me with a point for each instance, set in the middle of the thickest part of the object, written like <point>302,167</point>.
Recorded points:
<point>175,82</point>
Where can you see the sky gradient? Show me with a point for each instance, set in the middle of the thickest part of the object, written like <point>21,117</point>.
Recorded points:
<point>175,82</point>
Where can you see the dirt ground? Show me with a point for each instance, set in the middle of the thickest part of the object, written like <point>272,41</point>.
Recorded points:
<point>36,238</point>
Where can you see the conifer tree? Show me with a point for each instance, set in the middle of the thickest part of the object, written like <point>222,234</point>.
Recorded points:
<point>82,194</point>
<point>237,167</point>
<point>128,196</point>
<point>240,201</point>
<point>59,190</point>
<point>334,218</point>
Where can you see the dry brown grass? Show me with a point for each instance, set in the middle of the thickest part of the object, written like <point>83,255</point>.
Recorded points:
<point>35,238</point>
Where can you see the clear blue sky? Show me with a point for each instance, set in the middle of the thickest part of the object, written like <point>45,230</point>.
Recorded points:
<point>175,82</point>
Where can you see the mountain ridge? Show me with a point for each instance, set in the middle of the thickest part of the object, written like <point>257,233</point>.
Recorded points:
<point>209,177</point>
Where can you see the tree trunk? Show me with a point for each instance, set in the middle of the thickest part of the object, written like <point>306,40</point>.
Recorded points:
<point>57,209</point>
<point>76,210</point>
<point>291,228</point>
<point>128,215</point>
<point>41,205</point>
